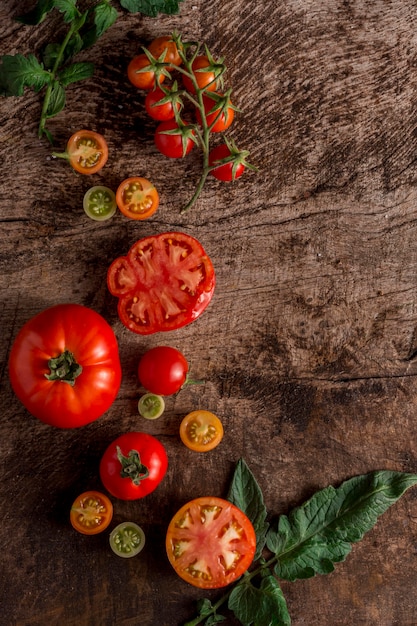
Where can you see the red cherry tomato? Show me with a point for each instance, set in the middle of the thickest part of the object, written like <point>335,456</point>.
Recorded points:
<point>225,172</point>
<point>164,282</point>
<point>221,119</point>
<point>210,542</point>
<point>157,110</point>
<point>139,77</point>
<point>163,370</point>
<point>133,466</point>
<point>203,74</point>
<point>168,45</point>
<point>175,145</point>
<point>64,366</point>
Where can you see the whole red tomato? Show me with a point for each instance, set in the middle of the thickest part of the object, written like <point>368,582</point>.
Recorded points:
<point>133,465</point>
<point>163,370</point>
<point>64,366</point>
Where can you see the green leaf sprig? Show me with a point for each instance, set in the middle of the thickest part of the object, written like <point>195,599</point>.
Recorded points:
<point>56,68</point>
<point>307,542</point>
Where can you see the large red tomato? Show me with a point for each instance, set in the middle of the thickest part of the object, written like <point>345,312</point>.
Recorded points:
<point>133,465</point>
<point>210,542</point>
<point>64,366</point>
<point>164,282</point>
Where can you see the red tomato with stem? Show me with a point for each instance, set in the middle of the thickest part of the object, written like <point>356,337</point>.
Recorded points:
<point>64,366</point>
<point>159,107</point>
<point>210,542</point>
<point>173,140</point>
<point>168,46</point>
<point>141,77</point>
<point>133,466</point>
<point>164,282</point>
<point>163,370</point>
<point>205,73</point>
<point>217,116</point>
<point>229,171</point>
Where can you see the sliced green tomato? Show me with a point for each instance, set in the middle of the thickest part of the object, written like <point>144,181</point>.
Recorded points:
<point>151,406</point>
<point>100,203</point>
<point>127,539</point>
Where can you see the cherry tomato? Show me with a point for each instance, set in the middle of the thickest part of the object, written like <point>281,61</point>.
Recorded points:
<point>227,171</point>
<point>133,466</point>
<point>157,110</point>
<point>127,539</point>
<point>99,203</point>
<point>163,370</point>
<point>203,74</point>
<point>151,406</point>
<point>201,431</point>
<point>168,45</point>
<point>140,78</point>
<point>164,282</point>
<point>210,542</point>
<point>87,151</point>
<point>64,366</point>
<point>137,198</point>
<point>175,145</point>
<point>221,119</point>
<point>91,513</point>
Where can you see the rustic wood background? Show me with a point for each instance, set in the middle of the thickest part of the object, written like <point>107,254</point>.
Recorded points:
<point>309,347</point>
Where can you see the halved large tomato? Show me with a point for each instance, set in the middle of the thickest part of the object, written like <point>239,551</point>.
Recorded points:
<point>210,542</point>
<point>164,282</point>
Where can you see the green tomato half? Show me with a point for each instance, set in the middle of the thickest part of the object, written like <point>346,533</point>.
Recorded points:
<point>127,539</point>
<point>99,203</point>
<point>151,406</point>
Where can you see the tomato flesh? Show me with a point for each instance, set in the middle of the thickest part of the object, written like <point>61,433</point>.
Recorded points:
<point>87,151</point>
<point>151,406</point>
<point>91,513</point>
<point>127,539</point>
<point>163,283</point>
<point>210,542</point>
<point>137,198</point>
<point>201,431</point>
<point>99,203</point>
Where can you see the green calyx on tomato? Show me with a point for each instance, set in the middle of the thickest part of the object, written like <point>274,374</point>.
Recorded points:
<point>64,367</point>
<point>132,467</point>
<point>127,539</point>
<point>227,162</point>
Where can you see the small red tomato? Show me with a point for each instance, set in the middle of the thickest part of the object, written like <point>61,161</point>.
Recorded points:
<point>174,144</point>
<point>157,110</point>
<point>138,76</point>
<point>204,74</point>
<point>163,370</point>
<point>133,466</point>
<point>167,45</point>
<point>225,171</point>
<point>220,119</point>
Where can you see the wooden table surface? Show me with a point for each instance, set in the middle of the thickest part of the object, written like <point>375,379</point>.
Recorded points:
<point>308,348</point>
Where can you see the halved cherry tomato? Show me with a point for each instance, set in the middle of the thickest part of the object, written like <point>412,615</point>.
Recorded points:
<point>139,76</point>
<point>151,406</point>
<point>201,431</point>
<point>210,542</point>
<point>99,203</point>
<point>137,198</point>
<point>91,513</point>
<point>87,151</point>
<point>164,282</point>
<point>133,465</point>
<point>158,105</point>
<point>204,74</point>
<point>163,370</point>
<point>127,539</point>
<point>168,45</point>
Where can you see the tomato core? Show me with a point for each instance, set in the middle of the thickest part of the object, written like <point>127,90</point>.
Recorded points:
<point>64,367</point>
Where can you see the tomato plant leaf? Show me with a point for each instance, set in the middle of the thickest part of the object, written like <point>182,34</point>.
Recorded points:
<point>68,8</point>
<point>56,100</point>
<point>320,532</point>
<point>245,493</point>
<point>99,19</point>
<point>37,14</point>
<point>151,8</point>
<point>263,606</point>
<point>75,72</point>
<point>18,72</point>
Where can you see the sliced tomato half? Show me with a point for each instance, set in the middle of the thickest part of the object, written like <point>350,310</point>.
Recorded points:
<point>164,282</point>
<point>210,542</point>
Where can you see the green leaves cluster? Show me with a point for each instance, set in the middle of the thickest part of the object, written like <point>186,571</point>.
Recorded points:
<point>309,541</point>
<point>55,69</point>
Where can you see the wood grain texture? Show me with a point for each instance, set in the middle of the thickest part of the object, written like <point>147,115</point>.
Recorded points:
<point>309,347</point>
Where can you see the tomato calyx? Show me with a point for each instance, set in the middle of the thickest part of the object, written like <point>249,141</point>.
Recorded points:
<point>64,367</point>
<point>132,467</point>
<point>237,159</point>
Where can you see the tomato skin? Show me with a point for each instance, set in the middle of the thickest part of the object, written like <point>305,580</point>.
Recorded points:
<point>152,455</point>
<point>91,513</point>
<point>86,335</point>
<point>87,151</point>
<point>159,112</point>
<point>221,120</point>
<point>203,536</point>
<point>165,43</point>
<point>201,431</point>
<point>224,172</point>
<point>137,198</point>
<point>172,146</point>
<point>142,80</point>
<point>164,282</point>
<point>163,370</point>
<point>205,79</point>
